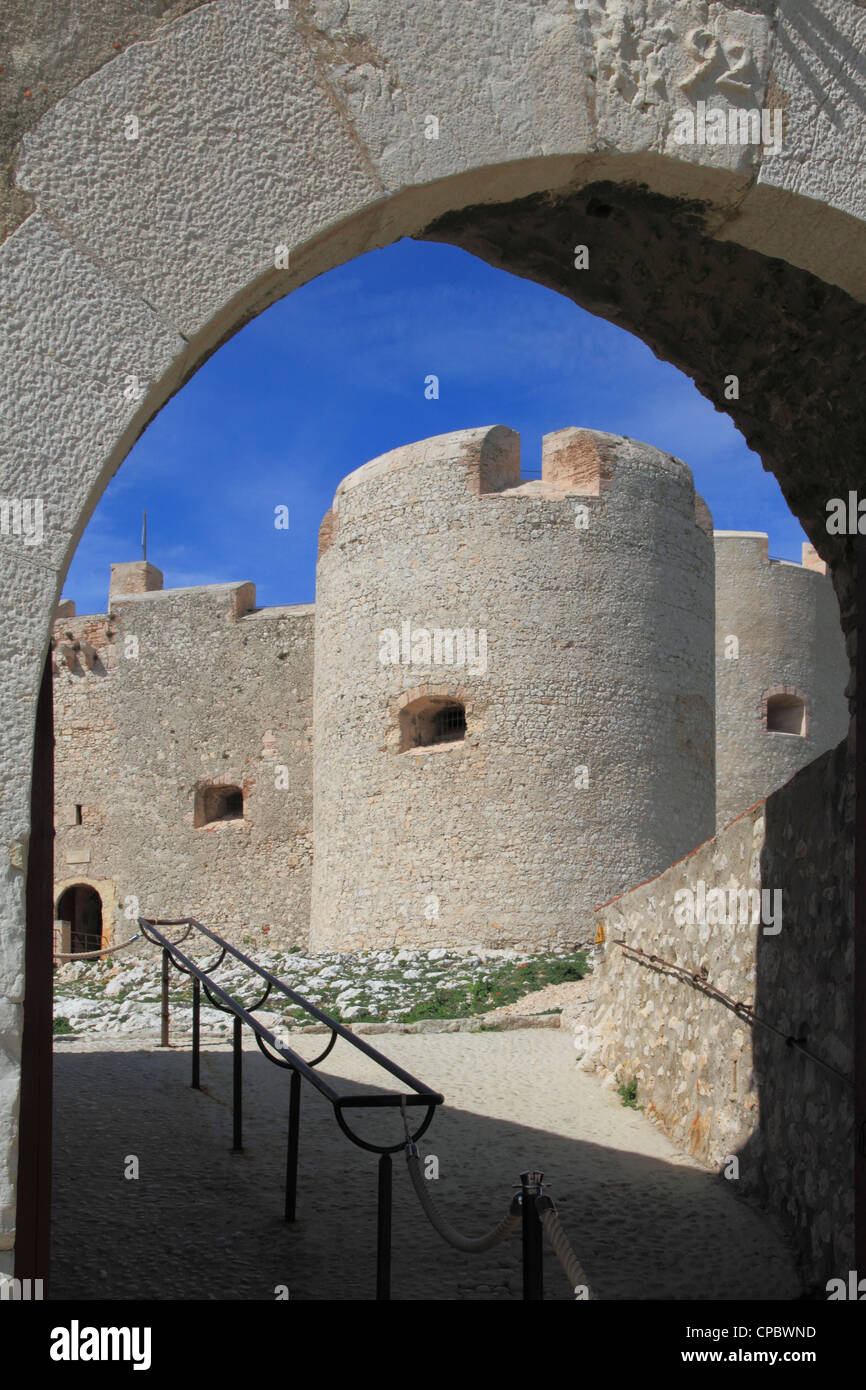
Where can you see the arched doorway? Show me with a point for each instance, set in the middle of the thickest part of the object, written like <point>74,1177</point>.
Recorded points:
<point>303,138</point>
<point>81,906</point>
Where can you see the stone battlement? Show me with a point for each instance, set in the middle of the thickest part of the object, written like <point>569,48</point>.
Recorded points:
<point>574,462</point>
<point>234,601</point>
<point>755,546</point>
<point>484,464</point>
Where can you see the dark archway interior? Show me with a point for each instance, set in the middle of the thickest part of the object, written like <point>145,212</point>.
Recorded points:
<point>796,345</point>
<point>81,907</point>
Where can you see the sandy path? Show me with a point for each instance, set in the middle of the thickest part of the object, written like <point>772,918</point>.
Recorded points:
<point>200,1223</point>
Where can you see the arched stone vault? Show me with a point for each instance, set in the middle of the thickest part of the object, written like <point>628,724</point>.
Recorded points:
<point>304,128</point>
<point>796,344</point>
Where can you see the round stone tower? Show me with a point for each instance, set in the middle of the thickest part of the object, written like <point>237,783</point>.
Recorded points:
<point>513,689</point>
<point>781,668</point>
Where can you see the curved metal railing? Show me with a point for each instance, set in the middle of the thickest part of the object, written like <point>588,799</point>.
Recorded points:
<point>536,1209</point>
<point>417,1094</point>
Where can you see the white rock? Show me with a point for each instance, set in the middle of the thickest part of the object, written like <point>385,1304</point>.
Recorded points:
<point>77,1008</point>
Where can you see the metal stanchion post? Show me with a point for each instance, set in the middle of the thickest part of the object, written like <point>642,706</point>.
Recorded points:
<point>383,1243</point>
<point>196,1034</point>
<point>237,1089</point>
<point>292,1147</point>
<point>533,1278</point>
<point>163,1039</point>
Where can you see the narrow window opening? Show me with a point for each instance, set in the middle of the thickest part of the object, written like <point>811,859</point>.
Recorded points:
<point>429,721</point>
<point>786,714</point>
<point>448,724</point>
<point>213,803</point>
<point>78,820</point>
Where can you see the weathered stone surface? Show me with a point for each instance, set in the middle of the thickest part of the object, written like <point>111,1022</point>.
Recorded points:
<point>46,52</point>
<point>682,1047</point>
<point>26,588</point>
<point>190,688</point>
<point>800,1163</point>
<point>720,1087</point>
<point>818,65</point>
<point>11,1024</point>
<point>79,356</point>
<point>240,148</point>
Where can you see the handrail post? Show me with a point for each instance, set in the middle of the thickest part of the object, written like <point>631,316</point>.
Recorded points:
<point>163,1040</point>
<point>237,1089</point>
<point>533,1275</point>
<point>383,1234</point>
<point>196,1033</point>
<point>292,1147</point>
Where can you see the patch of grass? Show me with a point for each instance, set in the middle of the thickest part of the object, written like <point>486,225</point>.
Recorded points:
<point>628,1094</point>
<point>62,1025</point>
<point>443,1003</point>
<point>498,985</point>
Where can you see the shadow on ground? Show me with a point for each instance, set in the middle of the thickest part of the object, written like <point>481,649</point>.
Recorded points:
<point>201,1223</point>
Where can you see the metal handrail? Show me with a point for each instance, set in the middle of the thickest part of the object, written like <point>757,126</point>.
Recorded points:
<point>534,1207</point>
<point>419,1093</point>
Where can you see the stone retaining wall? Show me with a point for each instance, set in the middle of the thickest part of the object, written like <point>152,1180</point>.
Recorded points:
<point>721,1088</point>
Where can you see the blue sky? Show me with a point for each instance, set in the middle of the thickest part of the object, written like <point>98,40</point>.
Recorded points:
<point>334,375</point>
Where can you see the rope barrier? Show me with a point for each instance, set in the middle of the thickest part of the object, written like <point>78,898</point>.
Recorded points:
<point>443,1227</point>
<point>94,955</point>
<point>547,1215</point>
<point>123,945</point>
<point>562,1247</point>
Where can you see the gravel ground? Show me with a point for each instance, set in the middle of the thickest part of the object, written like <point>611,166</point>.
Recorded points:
<point>202,1223</point>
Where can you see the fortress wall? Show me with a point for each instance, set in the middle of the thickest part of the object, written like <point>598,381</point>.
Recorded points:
<point>217,692</point>
<point>88,757</point>
<point>786,621</point>
<point>598,655</point>
<point>691,1056</point>
<point>718,1086</point>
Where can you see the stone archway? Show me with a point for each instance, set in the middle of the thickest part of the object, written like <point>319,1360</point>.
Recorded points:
<point>80,907</point>
<point>181,187</point>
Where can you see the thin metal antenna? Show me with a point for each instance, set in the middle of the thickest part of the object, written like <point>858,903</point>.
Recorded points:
<point>144,535</point>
